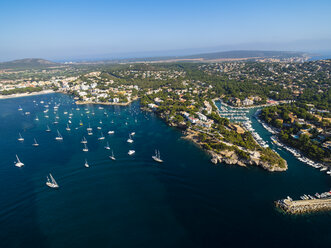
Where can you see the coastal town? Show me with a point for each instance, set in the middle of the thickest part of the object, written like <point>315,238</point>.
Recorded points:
<point>209,102</point>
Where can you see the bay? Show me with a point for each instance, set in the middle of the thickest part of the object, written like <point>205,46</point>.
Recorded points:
<point>134,201</point>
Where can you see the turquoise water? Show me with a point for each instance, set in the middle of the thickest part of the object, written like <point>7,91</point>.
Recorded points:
<point>133,201</point>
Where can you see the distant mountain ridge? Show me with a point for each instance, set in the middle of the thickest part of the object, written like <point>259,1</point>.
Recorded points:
<point>37,63</point>
<point>28,63</point>
<point>209,57</point>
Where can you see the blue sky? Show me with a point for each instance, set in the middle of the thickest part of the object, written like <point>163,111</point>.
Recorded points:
<point>103,29</point>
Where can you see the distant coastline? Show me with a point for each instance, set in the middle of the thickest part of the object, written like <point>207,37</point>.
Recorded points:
<point>43,92</point>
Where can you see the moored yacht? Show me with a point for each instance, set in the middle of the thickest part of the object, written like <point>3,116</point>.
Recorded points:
<point>84,140</point>
<point>157,156</point>
<point>35,143</point>
<point>101,137</point>
<point>18,163</point>
<point>85,149</point>
<point>68,128</point>
<point>51,182</point>
<point>86,164</point>
<point>20,138</point>
<point>130,140</point>
<point>48,129</point>
<point>59,136</point>
<point>112,156</point>
<point>131,152</point>
<point>107,147</point>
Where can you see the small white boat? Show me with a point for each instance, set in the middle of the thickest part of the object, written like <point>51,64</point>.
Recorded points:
<point>19,108</point>
<point>85,149</point>
<point>101,137</point>
<point>89,133</point>
<point>112,156</point>
<point>84,140</point>
<point>89,127</point>
<point>48,129</point>
<point>107,147</point>
<point>86,164</point>
<point>35,143</point>
<point>131,152</point>
<point>51,182</point>
<point>20,138</point>
<point>111,132</point>
<point>68,128</point>
<point>37,119</point>
<point>130,140</point>
<point>133,133</point>
<point>59,136</point>
<point>99,128</point>
<point>18,163</point>
<point>157,157</point>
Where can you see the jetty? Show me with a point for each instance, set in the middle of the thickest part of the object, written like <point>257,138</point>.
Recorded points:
<point>304,206</point>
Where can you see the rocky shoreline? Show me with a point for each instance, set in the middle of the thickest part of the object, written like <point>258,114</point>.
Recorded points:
<point>230,157</point>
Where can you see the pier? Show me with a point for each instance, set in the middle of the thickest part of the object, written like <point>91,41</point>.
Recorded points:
<point>304,206</point>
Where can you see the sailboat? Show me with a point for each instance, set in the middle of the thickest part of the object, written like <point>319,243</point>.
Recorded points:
<point>112,156</point>
<point>35,143</point>
<point>20,138</point>
<point>18,163</point>
<point>37,119</point>
<point>133,133</point>
<point>89,127</point>
<point>68,128</point>
<point>59,136</point>
<point>51,182</point>
<point>157,156</point>
<point>85,149</point>
<point>48,129</point>
<point>101,137</point>
<point>130,140</point>
<point>131,152</point>
<point>19,108</point>
<point>89,133</point>
<point>86,164</point>
<point>107,146</point>
<point>81,123</point>
<point>84,141</point>
<point>111,132</point>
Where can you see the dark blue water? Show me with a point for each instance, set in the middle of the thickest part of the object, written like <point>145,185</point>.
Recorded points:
<point>134,202</point>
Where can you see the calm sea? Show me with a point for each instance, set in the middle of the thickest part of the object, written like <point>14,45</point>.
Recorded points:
<point>133,201</point>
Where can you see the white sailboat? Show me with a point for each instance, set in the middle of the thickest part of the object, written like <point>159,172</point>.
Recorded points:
<point>89,127</point>
<point>85,149</point>
<point>51,182</point>
<point>107,147</point>
<point>59,136</point>
<point>112,156</point>
<point>68,128</point>
<point>37,119</point>
<point>35,143</point>
<point>157,156</point>
<point>111,132</point>
<point>84,141</point>
<point>101,137</point>
<point>86,164</point>
<point>18,163</point>
<point>48,129</point>
<point>133,133</point>
<point>19,108</point>
<point>131,152</point>
<point>130,140</point>
<point>20,138</point>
